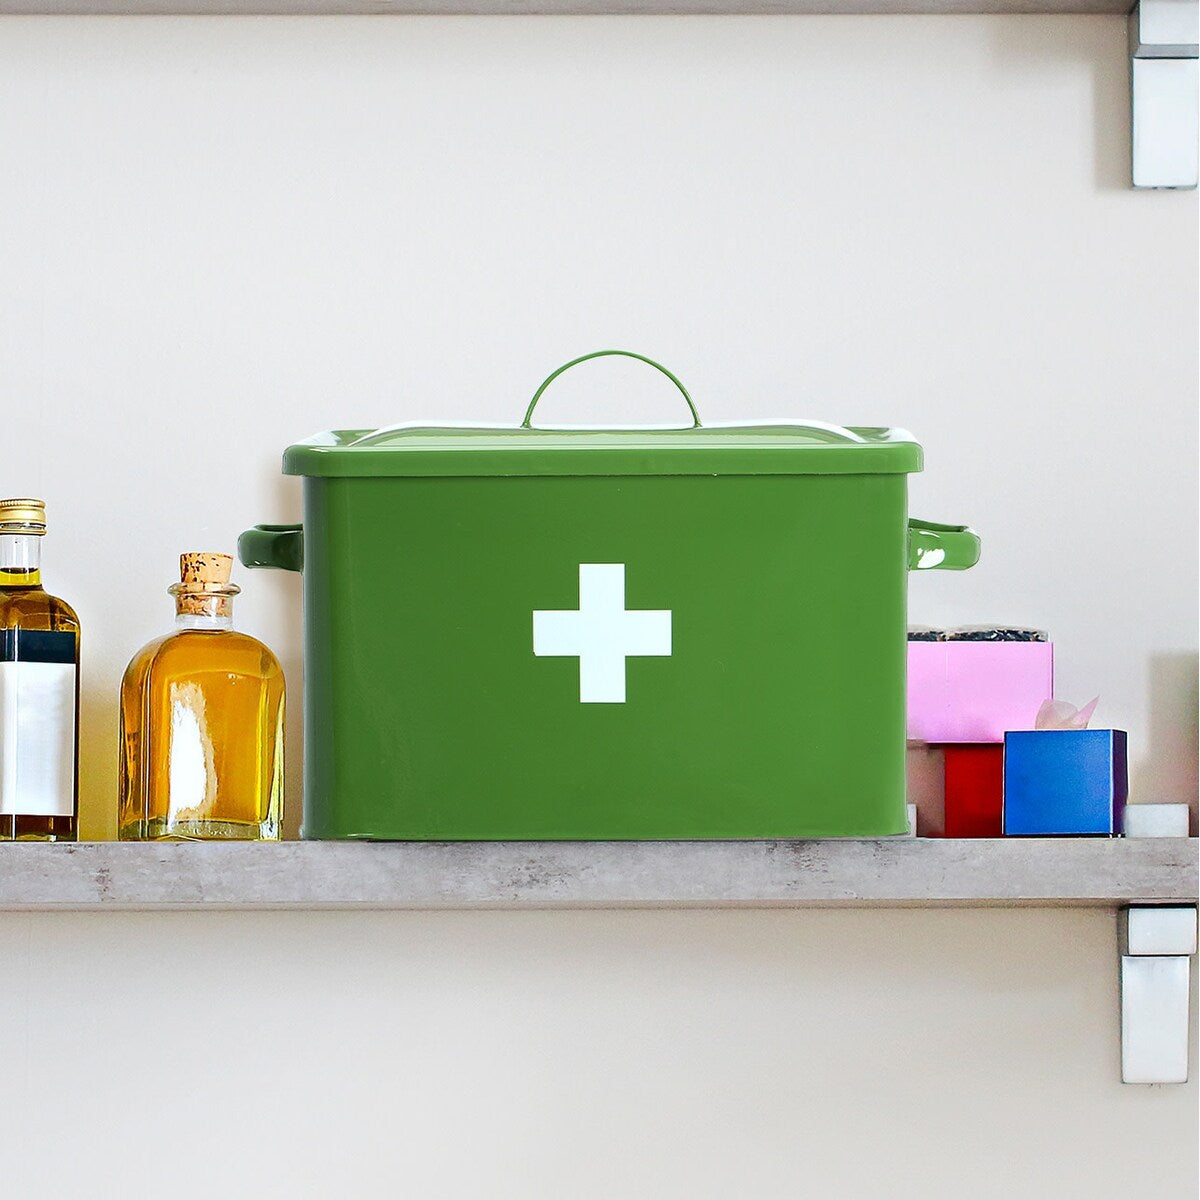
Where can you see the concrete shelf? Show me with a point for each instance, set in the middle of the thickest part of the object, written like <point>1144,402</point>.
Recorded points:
<point>911,872</point>
<point>554,7</point>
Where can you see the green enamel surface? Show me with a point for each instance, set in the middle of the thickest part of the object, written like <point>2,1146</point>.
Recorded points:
<point>777,449</point>
<point>779,713</point>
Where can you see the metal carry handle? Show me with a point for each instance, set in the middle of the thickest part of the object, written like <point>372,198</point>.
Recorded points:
<point>527,422</point>
<point>278,546</point>
<point>941,547</point>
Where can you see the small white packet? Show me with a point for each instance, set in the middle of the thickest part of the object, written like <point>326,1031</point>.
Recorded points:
<point>1058,714</point>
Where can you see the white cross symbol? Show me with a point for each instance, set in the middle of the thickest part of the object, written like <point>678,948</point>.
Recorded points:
<point>601,633</point>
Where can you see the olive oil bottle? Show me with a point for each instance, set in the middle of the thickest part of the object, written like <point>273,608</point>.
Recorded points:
<point>39,688</point>
<point>202,722</point>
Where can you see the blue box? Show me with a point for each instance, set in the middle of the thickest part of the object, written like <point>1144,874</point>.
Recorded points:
<point>1065,781</point>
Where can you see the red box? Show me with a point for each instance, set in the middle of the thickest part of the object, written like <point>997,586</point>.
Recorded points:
<point>975,791</point>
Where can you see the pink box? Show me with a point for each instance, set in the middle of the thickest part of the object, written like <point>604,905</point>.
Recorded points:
<point>976,691</point>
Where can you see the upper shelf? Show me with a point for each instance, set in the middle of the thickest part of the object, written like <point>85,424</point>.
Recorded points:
<point>554,7</point>
<point>438,875</point>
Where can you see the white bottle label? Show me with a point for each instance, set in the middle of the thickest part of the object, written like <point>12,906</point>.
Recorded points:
<point>37,739</point>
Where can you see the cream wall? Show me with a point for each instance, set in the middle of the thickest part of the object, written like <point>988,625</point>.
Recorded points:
<point>220,235</point>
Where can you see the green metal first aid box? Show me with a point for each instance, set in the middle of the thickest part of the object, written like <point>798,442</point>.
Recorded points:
<point>532,633</point>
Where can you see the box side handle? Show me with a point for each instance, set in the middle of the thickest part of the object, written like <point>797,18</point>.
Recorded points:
<point>278,546</point>
<point>941,547</point>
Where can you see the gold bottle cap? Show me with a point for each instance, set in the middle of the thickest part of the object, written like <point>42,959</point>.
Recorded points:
<point>204,588</point>
<point>28,515</point>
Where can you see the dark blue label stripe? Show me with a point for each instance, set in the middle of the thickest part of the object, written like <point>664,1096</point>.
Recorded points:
<point>36,645</point>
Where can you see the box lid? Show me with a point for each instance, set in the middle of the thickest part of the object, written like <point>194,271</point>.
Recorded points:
<point>772,447</point>
<point>775,448</point>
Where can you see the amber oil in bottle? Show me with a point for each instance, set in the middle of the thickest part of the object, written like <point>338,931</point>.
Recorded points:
<point>202,722</point>
<point>39,688</point>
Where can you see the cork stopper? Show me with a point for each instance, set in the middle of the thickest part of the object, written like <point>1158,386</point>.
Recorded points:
<point>204,589</point>
<point>201,567</point>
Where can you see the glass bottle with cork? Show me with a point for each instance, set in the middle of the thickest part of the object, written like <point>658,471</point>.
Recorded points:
<point>202,722</point>
<point>39,688</point>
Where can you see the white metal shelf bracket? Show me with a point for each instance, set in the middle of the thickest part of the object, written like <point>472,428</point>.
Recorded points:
<point>1164,75</point>
<point>1157,944</point>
